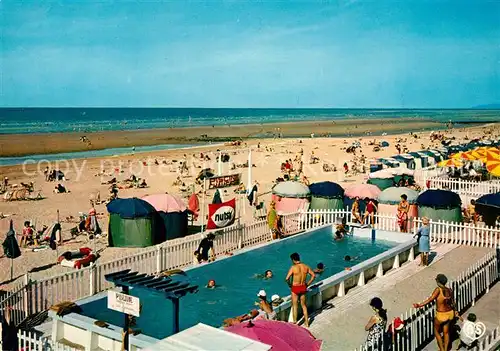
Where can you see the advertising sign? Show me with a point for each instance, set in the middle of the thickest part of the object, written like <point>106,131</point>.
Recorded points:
<point>221,215</point>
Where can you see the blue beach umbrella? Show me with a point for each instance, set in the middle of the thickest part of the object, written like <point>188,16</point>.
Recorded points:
<point>131,208</point>
<point>440,205</point>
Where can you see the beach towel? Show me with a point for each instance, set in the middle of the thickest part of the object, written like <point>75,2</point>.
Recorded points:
<point>402,217</point>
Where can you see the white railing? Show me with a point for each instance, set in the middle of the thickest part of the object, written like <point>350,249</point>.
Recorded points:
<point>490,342</point>
<point>418,327</point>
<point>32,340</point>
<point>466,187</point>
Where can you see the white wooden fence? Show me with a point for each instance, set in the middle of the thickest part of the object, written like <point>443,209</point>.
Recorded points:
<point>466,187</point>
<point>418,329</point>
<point>30,340</point>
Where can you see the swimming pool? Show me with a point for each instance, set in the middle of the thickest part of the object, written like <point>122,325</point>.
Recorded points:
<point>238,281</point>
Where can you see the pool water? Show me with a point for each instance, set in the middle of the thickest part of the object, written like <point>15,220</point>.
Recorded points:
<point>238,281</point>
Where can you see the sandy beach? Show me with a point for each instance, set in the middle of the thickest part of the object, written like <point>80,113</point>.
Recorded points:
<point>22,144</point>
<point>84,178</point>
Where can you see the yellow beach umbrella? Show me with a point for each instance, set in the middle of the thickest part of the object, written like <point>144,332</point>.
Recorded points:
<point>493,166</point>
<point>452,162</point>
<point>463,156</point>
<point>492,155</point>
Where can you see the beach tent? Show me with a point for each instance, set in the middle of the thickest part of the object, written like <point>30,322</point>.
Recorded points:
<point>326,196</point>
<point>389,199</point>
<point>389,162</point>
<point>418,159</point>
<point>405,160</point>
<point>290,196</point>
<point>382,179</point>
<point>384,144</point>
<point>488,206</point>
<point>434,158</point>
<point>174,213</point>
<point>134,223</point>
<point>362,191</point>
<point>375,166</point>
<point>440,205</point>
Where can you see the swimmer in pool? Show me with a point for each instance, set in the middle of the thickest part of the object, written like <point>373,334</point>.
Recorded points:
<point>211,284</point>
<point>348,258</point>
<point>267,275</point>
<point>320,268</point>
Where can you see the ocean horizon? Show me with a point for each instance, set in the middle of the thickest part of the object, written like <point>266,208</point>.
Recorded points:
<point>87,120</point>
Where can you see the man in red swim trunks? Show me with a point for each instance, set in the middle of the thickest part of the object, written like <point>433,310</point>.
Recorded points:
<point>298,272</point>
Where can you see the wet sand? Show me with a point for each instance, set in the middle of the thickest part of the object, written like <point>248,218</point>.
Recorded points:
<point>48,143</point>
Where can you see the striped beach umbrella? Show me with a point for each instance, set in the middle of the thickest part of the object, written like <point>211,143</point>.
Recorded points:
<point>493,166</point>
<point>463,156</point>
<point>452,162</point>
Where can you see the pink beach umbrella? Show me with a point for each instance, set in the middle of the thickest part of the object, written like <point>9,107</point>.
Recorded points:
<point>166,202</point>
<point>363,191</point>
<point>282,336</point>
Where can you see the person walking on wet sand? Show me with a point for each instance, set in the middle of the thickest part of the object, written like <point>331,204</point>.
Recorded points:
<point>298,274</point>
<point>445,311</point>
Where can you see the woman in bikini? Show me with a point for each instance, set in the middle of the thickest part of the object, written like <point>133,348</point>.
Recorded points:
<point>445,311</point>
<point>403,209</point>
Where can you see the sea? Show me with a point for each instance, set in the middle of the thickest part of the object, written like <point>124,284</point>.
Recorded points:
<point>88,120</point>
<point>50,120</point>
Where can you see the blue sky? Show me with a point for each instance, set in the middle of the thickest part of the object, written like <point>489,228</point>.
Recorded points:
<point>270,53</point>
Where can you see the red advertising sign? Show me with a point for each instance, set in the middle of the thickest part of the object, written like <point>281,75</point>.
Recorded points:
<point>221,215</point>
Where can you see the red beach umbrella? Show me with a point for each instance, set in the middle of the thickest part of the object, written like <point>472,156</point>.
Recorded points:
<point>281,336</point>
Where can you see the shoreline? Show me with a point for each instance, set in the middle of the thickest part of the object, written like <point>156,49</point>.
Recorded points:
<point>19,145</point>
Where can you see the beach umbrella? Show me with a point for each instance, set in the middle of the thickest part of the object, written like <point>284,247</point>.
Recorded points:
<point>363,191</point>
<point>326,195</point>
<point>392,196</point>
<point>463,156</point>
<point>492,155</point>
<point>384,144</point>
<point>452,162</point>
<point>327,190</point>
<point>166,202</point>
<point>436,198</point>
<point>11,247</point>
<point>493,167</point>
<point>281,336</point>
<point>489,207</point>
<point>440,205</point>
<point>131,208</point>
<point>291,189</point>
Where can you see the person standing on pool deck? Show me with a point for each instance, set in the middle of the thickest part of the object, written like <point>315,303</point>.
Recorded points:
<point>299,272</point>
<point>423,239</point>
<point>206,245</point>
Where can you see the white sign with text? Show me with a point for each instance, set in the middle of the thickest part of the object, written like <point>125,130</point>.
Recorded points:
<point>124,303</point>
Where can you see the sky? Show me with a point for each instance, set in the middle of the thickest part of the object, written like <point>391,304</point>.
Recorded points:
<point>268,53</point>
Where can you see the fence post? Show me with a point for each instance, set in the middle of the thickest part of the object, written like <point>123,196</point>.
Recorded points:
<point>240,236</point>
<point>159,259</point>
<point>27,295</point>
<point>92,279</point>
